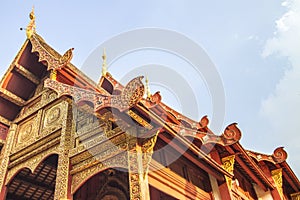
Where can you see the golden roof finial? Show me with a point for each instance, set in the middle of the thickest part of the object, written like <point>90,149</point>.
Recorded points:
<point>104,67</point>
<point>147,88</point>
<point>31,26</point>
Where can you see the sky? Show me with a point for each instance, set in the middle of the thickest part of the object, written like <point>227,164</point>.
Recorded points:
<point>254,46</point>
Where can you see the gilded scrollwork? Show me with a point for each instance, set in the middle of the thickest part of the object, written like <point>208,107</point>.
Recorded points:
<point>147,151</point>
<point>228,165</point>
<point>36,103</point>
<point>100,150</point>
<point>26,133</point>
<point>136,175</point>
<point>80,177</point>
<point>277,178</point>
<point>53,116</point>
<point>53,59</point>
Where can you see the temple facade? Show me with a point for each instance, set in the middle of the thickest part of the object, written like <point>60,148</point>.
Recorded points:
<point>63,136</point>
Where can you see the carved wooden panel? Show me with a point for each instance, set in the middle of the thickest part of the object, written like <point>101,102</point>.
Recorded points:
<point>26,132</point>
<point>52,118</point>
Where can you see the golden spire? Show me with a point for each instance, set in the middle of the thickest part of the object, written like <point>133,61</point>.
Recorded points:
<point>31,26</point>
<point>104,67</point>
<point>147,88</point>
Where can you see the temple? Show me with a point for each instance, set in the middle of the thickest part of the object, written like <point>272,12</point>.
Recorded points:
<point>63,136</point>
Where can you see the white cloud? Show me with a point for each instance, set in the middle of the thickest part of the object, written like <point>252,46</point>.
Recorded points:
<point>282,107</point>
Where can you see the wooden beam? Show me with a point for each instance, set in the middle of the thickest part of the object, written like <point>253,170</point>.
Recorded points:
<point>288,178</point>
<point>218,175</point>
<point>255,166</point>
<point>5,121</point>
<point>33,183</point>
<point>27,74</point>
<point>251,174</point>
<point>11,97</point>
<point>192,147</point>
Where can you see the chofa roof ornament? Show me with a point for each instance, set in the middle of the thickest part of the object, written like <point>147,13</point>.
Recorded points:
<point>30,29</point>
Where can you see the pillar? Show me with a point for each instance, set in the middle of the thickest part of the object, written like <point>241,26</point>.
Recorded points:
<point>63,177</point>
<point>5,159</point>
<point>139,158</point>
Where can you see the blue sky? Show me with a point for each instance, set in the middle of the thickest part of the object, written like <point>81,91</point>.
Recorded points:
<point>253,44</point>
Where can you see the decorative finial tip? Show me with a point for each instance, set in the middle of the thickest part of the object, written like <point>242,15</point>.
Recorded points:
<point>104,67</point>
<point>148,93</point>
<point>31,26</point>
<point>31,14</point>
<point>104,54</point>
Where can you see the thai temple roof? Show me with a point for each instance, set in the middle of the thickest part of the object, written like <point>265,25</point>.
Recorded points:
<point>37,62</point>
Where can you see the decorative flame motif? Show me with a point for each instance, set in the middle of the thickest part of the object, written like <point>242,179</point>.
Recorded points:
<point>279,155</point>
<point>204,121</point>
<point>231,134</point>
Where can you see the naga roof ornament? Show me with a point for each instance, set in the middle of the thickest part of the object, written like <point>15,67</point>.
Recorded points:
<point>131,94</point>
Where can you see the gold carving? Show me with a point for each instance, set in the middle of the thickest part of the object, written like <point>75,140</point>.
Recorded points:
<point>53,118</point>
<point>63,179</point>
<point>132,93</point>
<point>139,120</point>
<point>27,131</point>
<point>139,157</point>
<point>295,196</point>
<point>23,154</point>
<point>147,151</point>
<point>277,177</point>
<point>53,59</point>
<point>80,177</point>
<point>228,165</point>
<point>31,163</point>
<point>37,102</point>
